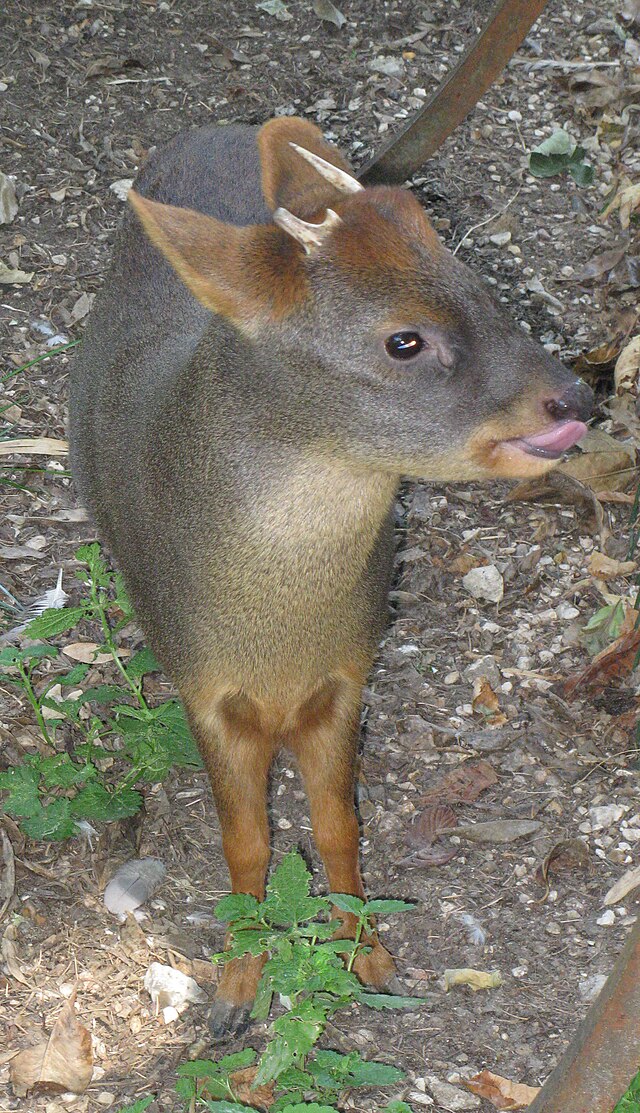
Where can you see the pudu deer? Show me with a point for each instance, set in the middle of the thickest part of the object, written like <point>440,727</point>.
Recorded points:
<point>274,348</point>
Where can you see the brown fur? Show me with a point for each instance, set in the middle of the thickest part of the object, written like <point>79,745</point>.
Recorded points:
<point>239,430</point>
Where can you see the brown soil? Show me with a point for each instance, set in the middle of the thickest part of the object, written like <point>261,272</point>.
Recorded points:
<point>87,88</point>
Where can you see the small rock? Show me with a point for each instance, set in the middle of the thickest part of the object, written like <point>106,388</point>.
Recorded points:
<point>450,1097</point>
<point>121,188</point>
<point>484,583</point>
<point>8,199</point>
<point>607,918</point>
<point>485,667</point>
<point>590,986</point>
<point>500,239</point>
<point>390,67</point>
<point>565,610</point>
<point>604,815</point>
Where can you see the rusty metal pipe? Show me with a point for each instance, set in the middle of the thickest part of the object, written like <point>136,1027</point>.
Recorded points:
<point>604,1054</point>
<point>461,89</point>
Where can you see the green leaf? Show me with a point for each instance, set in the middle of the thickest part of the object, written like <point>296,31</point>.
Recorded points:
<point>60,771</point>
<point>138,1106</point>
<point>288,901</point>
<point>21,782</point>
<point>397,1107</point>
<point>103,694</point>
<point>387,907</point>
<point>262,1004</point>
<point>121,599</point>
<point>51,823</point>
<point>559,143</point>
<point>141,663</point>
<point>11,657</point>
<point>236,906</point>
<point>276,1058</point>
<point>91,556</point>
<point>347,903</point>
<point>55,621</point>
<point>96,802</point>
<point>603,627</point>
<point>582,173</point>
<point>76,676</point>
<point>557,154</point>
<point>389,1001</point>
<point>308,1107</point>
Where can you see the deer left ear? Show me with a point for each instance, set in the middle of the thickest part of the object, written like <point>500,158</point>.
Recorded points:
<point>288,180</point>
<point>247,274</point>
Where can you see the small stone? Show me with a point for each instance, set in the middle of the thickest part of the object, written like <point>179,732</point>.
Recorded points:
<point>284,824</point>
<point>485,667</point>
<point>565,610</point>
<point>450,1097</point>
<point>515,116</point>
<point>607,918</point>
<point>590,986</point>
<point>452,677</point>
<point>606,814</point>
<point>105,1099</point>
<point>484,583</point>
<point>500,239</point>
<point>121,188</point>
<point>418,1098</point>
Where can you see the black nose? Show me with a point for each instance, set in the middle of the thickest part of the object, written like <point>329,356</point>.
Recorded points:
<point>575,404</point>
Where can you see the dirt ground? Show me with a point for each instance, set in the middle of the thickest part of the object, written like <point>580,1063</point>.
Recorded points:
<point>86,89</point>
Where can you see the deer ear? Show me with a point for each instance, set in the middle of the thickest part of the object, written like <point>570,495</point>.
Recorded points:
<point>206,253</point>
<point>249,274</point>
<point>288,180</point>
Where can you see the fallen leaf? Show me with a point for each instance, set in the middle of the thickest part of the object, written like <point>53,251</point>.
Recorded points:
<point>110,64</point>
<point>568,854</point>
<point>464,563</point>
<point>12,276</point>
<point>476,979</point>
<point>616,661</point>
<point>497,830</point>
<point>485,703</point>
<point>598,358</point>
<point>8,199</point>
<point>624,885</point>
<point>626,200</point>
<point>132,884</point>
<point>7,872</point>
<point>598,266</point>
<point>9,954</point>
<point>276,8</point>
<point>88,653</point>
<point>601,462</point>
<point>605,567</point>
<point>36,446</point>
<point>430,823</point>
<point>244,1090</point>
<point>80,308</point>
<point>594,88</point>
<point>627,369</point>
<point>462,785</point>
<point>501,1092</point>
<point>62,1063</point>
<point>328,12</point>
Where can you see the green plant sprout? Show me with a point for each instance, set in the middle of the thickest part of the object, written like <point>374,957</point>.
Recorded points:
<point>113,739</point>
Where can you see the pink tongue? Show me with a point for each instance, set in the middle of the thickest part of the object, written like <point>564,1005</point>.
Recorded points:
<point>559,438</point>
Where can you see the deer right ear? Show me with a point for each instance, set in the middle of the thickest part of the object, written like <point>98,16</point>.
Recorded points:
<point>289,180</point>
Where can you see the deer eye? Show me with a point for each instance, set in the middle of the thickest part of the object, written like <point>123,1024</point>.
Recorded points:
<point>404,345</point>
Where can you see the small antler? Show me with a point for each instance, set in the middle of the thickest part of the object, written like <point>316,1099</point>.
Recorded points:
<point>346,183</point>
<point>311,236</point>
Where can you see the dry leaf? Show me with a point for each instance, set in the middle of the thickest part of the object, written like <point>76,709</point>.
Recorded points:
<point>624,885</point>
<point>464,563</point>
<point>476,979</point>
<point>62,1063</point>
<point>9,954</point>
<point>497,830</point>
<point>430,823</point>
<point>501,1092</point>
<point>462,785</point>
<point>568,854</point>
<point>627,369</point>
<point>612,663</point>
<point>8,199</point>
<point>485,703</point>
<point>605,568</point>
<point>7,872</point>
<point>598,266</point>
<point>601,463</point>
<point>35,446</point>
<point>328,12</point>
<point>12,276</point>
<point>626,200</point>
<point>81,307</point>
<point>259,1097</point>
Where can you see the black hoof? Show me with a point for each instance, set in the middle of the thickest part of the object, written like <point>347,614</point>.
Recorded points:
<point>226,1019</point>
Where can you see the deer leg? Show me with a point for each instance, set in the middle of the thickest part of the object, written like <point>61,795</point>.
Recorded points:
<point>325,743</point>
<point>238,753</point>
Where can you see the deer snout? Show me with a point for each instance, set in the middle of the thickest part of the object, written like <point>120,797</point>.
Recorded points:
<point>575,404</point>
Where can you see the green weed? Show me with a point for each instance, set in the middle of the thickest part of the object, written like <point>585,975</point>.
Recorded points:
<point>105,739</point>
